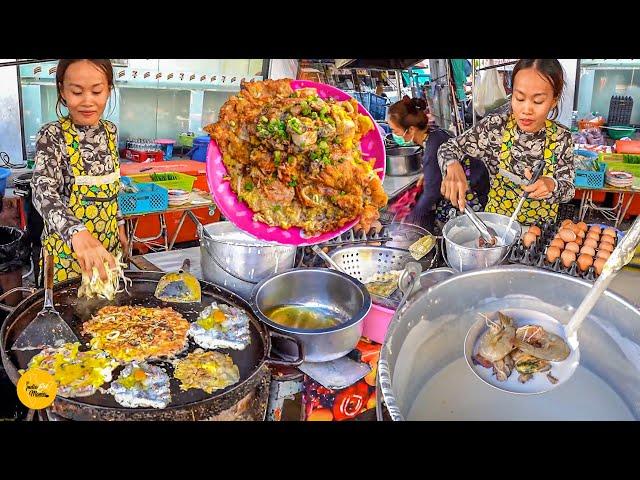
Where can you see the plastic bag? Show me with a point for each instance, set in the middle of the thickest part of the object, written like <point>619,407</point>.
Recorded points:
<point>491,93</point>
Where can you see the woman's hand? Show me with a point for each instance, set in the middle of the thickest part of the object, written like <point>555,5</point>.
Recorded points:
<point>541,188</point>
<point>420,181</point>
<point>124,241</point>
<point>91,253</point>
<point>454,186</point>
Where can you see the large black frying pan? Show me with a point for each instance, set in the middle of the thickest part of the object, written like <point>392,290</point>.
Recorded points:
<point>194,404</point>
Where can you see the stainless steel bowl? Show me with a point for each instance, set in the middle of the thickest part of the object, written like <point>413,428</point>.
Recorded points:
<point>402,161</point>
<point>234,260</point>
<point>330,289</point>
<point>460,237</point>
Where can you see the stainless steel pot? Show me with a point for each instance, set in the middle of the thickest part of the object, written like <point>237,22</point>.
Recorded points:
<point>423,374</point>
<point>322,287</point>
<point>235,260</point>
<point>461,239</point>
<point>402,161</point>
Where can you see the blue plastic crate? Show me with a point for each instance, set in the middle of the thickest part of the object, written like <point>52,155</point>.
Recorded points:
<point>149,198</point>
<point>374,104</point>
<point>5,173</point>
<point>590,178</point>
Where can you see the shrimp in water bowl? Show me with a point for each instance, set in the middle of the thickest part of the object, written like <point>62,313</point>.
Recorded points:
<point>528,349</point>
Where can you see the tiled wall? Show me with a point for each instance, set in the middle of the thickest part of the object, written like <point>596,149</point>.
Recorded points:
<point>142,106</point>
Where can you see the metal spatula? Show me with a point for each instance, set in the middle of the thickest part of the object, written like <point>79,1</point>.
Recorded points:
<point>180,286</point>
<point>48,329</point>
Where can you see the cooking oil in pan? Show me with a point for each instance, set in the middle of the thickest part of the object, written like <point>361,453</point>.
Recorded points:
<point>304,317</point>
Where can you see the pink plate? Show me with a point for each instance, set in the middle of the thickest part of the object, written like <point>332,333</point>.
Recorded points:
<point>241,215</point>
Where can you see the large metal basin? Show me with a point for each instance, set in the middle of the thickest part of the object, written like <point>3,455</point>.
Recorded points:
<point>235,260</point>
<point>424,376</point>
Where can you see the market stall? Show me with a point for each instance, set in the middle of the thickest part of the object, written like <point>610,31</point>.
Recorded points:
<point>310,289</point>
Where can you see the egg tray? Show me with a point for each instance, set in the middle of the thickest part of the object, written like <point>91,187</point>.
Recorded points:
<point>535,254</point>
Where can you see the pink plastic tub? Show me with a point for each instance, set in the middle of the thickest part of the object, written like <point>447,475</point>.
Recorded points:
<point>376,323</point>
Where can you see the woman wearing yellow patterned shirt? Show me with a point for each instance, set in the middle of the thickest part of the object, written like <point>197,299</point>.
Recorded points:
<point>76,178</point>
<point>512,143</point>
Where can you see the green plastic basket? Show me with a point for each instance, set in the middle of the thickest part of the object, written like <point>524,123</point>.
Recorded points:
<point>168,180</point>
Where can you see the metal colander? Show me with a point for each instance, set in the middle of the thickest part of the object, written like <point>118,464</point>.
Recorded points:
<point>364,262</point>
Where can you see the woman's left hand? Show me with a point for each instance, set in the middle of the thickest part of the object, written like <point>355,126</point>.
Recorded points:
<point>124,241</point>
<point>541,188</point>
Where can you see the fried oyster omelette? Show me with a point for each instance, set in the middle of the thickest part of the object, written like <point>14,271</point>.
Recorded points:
<point>137,333</point>
<point>208,371</point>
<point>295,158</point>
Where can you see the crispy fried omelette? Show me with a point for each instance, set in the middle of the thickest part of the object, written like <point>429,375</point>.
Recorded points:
<point>137,333</point>
<point>295,158</point>
<point>208,371</point>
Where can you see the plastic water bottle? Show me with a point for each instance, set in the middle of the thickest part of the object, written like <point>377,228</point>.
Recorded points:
<point>574,121</point>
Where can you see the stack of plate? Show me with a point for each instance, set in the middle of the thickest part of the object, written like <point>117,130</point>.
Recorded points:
<point>619,179</point>
<point>178,197</point>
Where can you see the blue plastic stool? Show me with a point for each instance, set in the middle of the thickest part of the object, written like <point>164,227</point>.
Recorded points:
<point>167,147</point>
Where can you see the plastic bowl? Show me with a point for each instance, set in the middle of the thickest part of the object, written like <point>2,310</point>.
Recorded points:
<point>617,132</point>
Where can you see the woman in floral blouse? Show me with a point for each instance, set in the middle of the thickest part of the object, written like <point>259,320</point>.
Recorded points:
<point>512,143</point>
<point>76,178</point>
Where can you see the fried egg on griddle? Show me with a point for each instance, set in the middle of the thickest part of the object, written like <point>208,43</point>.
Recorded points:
<point>142,385</point>
<point>78,374</point>
<point>221,326</point>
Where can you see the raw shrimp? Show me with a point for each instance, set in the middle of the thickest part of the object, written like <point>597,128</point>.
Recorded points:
<point>535,341</point>
<point>502,368</point>
<point>497,342</point>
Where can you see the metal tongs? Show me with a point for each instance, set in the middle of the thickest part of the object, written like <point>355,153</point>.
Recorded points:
<point>487,234</point>
<point>535,175</point>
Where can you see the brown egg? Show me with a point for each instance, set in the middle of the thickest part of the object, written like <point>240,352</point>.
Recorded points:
<point>581,234</point>
<point>585,261</point>
<point>565,223</point>
<point>603,254</point>
<point>596,229</point>
<point>572,247</point>
<point>567,235</point>
<point>568,257</point>
<point>552,253</point>
<point>583,226</point>
<point>609,231</point>
<point>574,228</point>
<point>579,240</point>
<point>594,235</point>
<point>535,230</point>
<point>557,242</point>
<point>590,242</point>
<point>588,251</point>
<point>607,239</point>
<point>598,264</point>
<point>606,247</point>
<point>528,239</point>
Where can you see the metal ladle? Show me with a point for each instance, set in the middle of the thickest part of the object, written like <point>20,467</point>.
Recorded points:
<point>564,369</point>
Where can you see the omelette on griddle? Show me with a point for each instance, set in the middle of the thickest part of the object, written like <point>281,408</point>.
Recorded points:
<point>221,326</point>
<point>78,374</point>
<point>142,385</point>
<point>134,333</point>
<point>208,371</point>
<point>295,158</point>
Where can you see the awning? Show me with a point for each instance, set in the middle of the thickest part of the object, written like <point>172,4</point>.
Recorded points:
<point>379,63</point>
